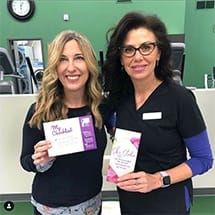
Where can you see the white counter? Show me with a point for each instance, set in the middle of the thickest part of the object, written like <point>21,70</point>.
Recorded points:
<point>13,109</point>
<point>206,102</point>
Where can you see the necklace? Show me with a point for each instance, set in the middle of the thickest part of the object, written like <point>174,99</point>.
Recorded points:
<point>140,102</point>
<point>142,97</point>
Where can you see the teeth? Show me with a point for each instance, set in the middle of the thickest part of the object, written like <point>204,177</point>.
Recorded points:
<point>73,77</point>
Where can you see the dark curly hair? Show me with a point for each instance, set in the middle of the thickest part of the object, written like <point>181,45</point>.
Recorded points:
<point>117,82</point>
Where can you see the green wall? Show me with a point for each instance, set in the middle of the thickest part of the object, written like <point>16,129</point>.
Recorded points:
<point>94,17</point>
<point>200,43</point>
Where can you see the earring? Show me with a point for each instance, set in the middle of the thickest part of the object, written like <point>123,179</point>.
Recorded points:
<point>157,63</point>
<point>122,67</point>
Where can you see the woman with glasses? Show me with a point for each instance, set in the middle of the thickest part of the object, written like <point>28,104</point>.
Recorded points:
<point>141,90</point>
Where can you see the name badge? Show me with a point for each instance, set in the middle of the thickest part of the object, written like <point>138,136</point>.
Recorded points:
<point>153,115</point>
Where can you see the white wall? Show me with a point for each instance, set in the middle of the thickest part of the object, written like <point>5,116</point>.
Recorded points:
<point>13,109</point>
<point>13,178</point>
<point>206,101</point>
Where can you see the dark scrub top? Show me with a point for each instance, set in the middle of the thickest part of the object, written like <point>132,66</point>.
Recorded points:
<point>168,116</point>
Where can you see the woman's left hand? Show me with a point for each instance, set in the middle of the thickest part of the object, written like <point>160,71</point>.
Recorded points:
<point>139,182</point>
<point>41,152</point>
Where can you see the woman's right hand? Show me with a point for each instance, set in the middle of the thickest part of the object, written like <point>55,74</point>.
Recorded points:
<point>41,152</point>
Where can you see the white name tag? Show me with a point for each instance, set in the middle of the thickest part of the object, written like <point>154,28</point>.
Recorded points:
<point>153,115</point>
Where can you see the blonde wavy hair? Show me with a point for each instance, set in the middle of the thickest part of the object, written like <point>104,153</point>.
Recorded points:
<point>49,100</point>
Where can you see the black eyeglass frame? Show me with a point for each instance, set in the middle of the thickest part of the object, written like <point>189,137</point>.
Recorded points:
<point>138,49</point>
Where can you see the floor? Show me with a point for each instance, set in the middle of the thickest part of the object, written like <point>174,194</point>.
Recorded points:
<point>202,205</point>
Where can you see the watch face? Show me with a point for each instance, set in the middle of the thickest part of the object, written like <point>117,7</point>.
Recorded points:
<point>21,9</point>
<point>166,180</point>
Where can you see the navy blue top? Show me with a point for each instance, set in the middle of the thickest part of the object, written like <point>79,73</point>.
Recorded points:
<point>72,178</point>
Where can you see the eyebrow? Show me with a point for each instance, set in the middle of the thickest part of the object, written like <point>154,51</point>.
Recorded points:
<point>140,44</point>
<point>76,54</point>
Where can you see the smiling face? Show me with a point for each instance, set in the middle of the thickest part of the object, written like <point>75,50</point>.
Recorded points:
<point>140,67</point>
<point>72,69</point>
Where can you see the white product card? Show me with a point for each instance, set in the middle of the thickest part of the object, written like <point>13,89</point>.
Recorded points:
<point>70,135</point>
<point>123,153</point>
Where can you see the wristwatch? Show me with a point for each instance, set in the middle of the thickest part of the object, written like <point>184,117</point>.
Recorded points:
<point>165,179</point>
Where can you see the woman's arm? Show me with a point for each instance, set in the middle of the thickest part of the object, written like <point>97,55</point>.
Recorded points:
<point>34,152</point>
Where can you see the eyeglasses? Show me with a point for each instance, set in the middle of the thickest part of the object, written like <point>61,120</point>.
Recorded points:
<point>144,49</point>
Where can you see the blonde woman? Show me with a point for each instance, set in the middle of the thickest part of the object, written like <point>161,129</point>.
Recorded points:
<point>71,183</point>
